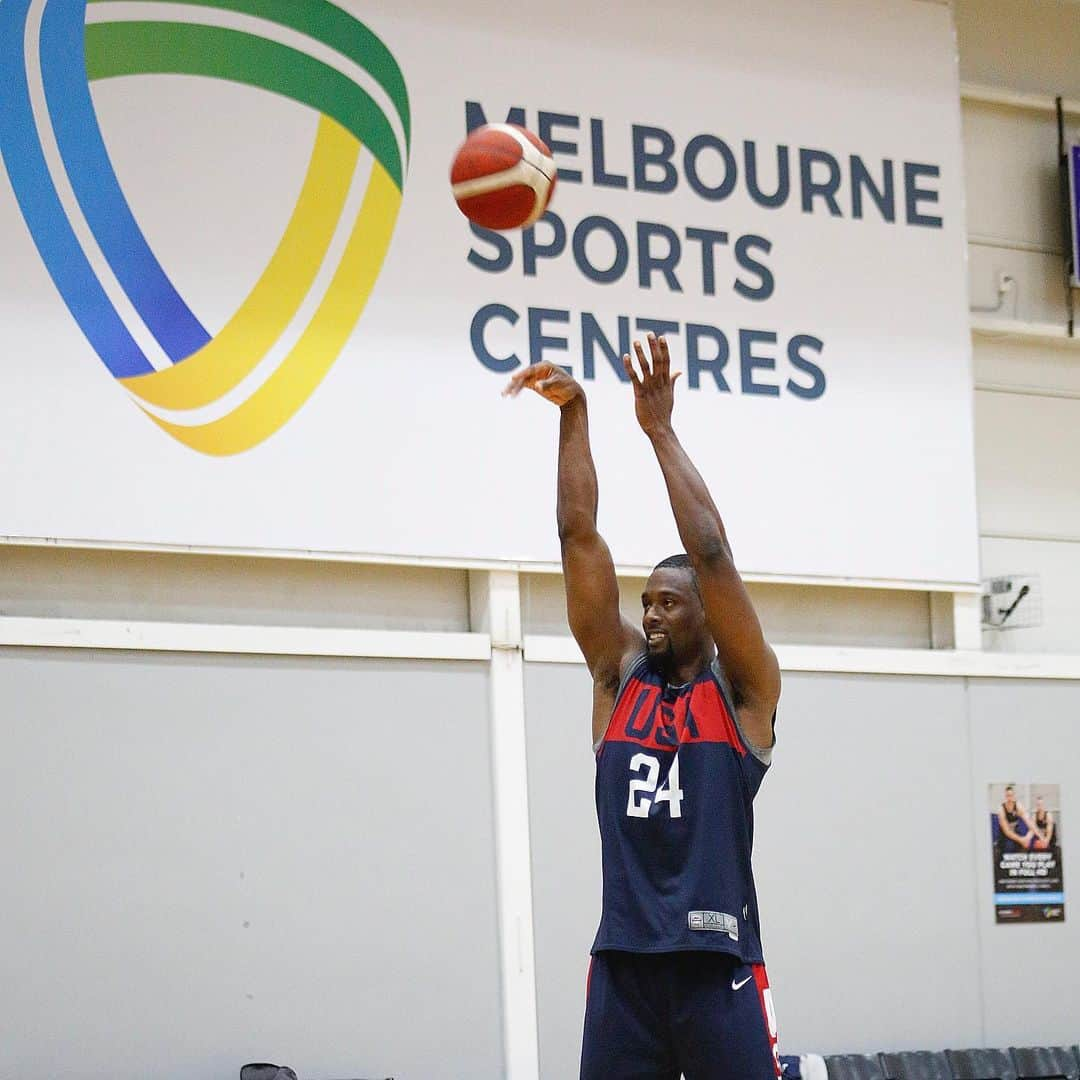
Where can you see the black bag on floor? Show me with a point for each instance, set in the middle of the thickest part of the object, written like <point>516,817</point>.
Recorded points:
<point>261,1070</point>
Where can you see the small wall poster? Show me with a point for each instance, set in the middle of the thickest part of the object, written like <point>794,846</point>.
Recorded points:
<point>1025,829</point>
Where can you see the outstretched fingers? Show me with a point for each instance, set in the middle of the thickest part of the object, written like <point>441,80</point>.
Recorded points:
<point>529,376</point>
<point>643,364</point>
<point>661,356</point>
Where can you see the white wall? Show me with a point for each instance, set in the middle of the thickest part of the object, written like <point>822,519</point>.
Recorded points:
<point>1027,382</point>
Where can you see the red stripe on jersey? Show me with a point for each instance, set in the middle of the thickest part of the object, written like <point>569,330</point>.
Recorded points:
<point>643,716</point>
<point>761,981</point>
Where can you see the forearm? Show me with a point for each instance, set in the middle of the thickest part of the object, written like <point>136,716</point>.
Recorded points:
<point>696,517</point>
<point>577,487</point>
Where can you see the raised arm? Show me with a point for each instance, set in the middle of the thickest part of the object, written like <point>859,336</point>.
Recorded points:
<point>606,639</point>
<point>748,662</point>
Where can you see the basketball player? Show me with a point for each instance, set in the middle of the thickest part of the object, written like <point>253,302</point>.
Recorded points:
<point>1044,825</point>
<point>683,712</point>
<point>1009,817</point>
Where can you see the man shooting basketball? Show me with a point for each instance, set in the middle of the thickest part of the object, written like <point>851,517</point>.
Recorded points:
<point>683,714</point>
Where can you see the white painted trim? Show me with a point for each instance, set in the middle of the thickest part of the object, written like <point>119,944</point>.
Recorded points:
<point>370,558</point>
<point>26,632</point>
<point>1015,99</point>
<point>983,327</point>
<point>247,640</point>
<point>1005,243</point>
<point>1026,390</point>
<point>501,595</point>
<point>1038,537</point>
<point>552,649</point>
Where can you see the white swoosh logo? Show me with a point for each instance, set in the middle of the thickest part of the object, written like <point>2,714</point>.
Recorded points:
<point>739,985</point>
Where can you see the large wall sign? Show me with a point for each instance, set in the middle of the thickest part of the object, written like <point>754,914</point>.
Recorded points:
<point>240,309</point>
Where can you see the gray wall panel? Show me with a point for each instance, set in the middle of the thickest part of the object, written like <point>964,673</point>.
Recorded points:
<point>864,863</point>
<point>864,866</point>
<point>1028,732</point>
<point>210,860</point>
<point>565,855</point>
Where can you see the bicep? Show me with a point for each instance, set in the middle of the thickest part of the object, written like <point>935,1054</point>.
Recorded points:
<point>748,661</point>
<point>592,605</point>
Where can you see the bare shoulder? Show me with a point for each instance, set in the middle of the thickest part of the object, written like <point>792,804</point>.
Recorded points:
<point>609,678</point>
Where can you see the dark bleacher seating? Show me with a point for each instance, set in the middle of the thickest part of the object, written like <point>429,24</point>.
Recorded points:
<point>1045,1063</point>
<point>854,1067</point>
<point>916,1065</point>
<point>981,1065</point>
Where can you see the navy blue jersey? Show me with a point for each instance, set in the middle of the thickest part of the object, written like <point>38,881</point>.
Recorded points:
<point>675,784</point>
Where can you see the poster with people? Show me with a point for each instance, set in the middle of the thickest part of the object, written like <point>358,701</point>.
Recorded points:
<point>1025,827</point>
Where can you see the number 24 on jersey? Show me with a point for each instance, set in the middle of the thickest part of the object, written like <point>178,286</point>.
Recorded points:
<point>643,794</point>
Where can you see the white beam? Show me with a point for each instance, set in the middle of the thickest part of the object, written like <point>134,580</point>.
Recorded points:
<point>967,622</point>
<point>265,640</point>
<point>495,603</point>
<point>975,664</point>
<point>984,326</point>
<point>1016,99</point>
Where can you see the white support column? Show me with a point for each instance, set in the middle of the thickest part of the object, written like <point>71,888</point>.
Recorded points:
<point>495,606</point>
<point>942,621</point>
<point>956,621</point>
<point>967,621</point>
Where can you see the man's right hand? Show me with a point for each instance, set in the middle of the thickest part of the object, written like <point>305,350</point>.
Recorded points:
<point>549,381</point>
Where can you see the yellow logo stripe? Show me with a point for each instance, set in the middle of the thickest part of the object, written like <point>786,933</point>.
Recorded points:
<point>224,361</point>
<point>309,360</point>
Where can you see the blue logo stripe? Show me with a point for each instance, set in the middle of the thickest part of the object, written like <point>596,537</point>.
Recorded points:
<point>63,66</point>
<point>71,272</point>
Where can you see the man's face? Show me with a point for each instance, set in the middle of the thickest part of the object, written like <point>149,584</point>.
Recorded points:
<point>672,616</point>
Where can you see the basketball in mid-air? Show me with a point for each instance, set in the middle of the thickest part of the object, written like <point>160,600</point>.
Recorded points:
<point>502,177</point>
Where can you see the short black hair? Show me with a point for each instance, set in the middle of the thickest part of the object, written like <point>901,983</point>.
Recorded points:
<point>679,562</point>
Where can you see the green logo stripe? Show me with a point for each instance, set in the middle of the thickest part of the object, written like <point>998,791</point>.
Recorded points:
<point>143,48</point>
<point>333,27</point>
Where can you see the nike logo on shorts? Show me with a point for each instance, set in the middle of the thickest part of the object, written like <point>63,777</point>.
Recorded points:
<point>739,985</point>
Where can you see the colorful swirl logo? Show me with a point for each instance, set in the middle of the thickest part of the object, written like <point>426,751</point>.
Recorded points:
<point>225,393</point>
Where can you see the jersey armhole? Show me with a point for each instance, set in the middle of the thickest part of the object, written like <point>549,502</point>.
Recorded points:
<point>634,664</point>
<point>762,753</point>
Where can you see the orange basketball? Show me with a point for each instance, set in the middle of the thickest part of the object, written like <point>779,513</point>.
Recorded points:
<point>502,177</point>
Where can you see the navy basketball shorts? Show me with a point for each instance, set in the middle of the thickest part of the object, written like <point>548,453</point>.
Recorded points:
<point>656,1016</point>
